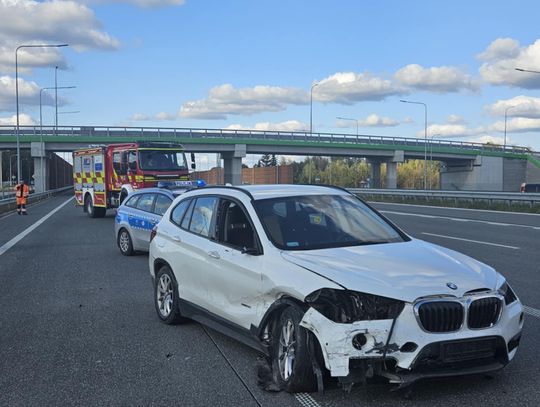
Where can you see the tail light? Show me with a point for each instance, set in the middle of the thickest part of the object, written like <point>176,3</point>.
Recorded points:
<point>153,233</point>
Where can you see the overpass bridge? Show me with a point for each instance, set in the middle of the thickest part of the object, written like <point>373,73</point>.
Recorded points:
<point>466,166</point>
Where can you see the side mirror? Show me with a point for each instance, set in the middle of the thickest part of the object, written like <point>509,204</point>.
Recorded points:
<point>251,251</point>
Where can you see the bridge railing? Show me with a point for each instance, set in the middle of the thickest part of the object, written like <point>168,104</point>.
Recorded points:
<point>316,137</point>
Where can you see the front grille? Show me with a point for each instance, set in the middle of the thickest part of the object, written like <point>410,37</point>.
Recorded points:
<point>441,316</point>
<point>484,312</point>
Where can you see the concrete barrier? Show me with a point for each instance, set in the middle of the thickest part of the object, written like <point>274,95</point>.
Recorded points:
<point>10,203</point>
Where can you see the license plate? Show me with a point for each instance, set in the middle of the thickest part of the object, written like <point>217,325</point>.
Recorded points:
<point>468,350</point>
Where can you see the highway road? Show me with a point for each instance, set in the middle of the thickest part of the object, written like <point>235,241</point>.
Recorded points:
<point>78,325</point>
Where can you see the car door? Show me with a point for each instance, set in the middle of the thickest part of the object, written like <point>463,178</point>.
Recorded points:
<point>189,250</point>
<point>236,262</point>
<point>141,220</point>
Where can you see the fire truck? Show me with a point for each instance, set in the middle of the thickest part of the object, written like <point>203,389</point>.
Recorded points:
<point>104,175</point>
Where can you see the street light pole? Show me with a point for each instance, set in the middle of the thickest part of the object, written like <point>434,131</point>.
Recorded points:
<point>17,131</point>
<point>425,137</point>
<point>505,116</point>
<point>311,120</point>
<point>354,120</point>
<point>526,70</point>
<point>41,128</point>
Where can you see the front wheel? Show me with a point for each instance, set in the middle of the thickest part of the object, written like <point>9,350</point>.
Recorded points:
<point>124,243</point>
<point>291,359</point>
<point>166,298</point>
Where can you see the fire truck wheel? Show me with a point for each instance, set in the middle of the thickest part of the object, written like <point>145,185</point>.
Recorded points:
<point>166,297</point>
<point>124,243</point>
<point>91,210</point>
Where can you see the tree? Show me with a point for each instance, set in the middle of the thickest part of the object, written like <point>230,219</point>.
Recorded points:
<point>267,160</point>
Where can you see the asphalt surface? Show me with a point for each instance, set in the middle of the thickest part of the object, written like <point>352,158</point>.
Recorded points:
<point>78,325</point>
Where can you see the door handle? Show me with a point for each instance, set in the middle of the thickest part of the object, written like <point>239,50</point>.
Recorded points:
<point>176,238</point>
<point>214,254</point>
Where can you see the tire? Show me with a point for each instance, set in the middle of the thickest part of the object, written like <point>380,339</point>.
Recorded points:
<point>124,243</point>
<point>291,359</point>
<point>91,210</point>
<point>166,298</point>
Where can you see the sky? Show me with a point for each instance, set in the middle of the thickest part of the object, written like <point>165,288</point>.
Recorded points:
<point>252,64</point>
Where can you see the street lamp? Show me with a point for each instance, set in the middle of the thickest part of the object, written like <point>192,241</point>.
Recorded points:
<point>311,108</point>
<point>354,120</point>
<point>17,92</point>
<point>526,70</point>
<point>425,136</point>
<point>41,126</point>
<point>505,116</point>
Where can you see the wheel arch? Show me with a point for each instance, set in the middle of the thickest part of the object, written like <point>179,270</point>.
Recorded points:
<point>158,264</point>
<point>274,311</point>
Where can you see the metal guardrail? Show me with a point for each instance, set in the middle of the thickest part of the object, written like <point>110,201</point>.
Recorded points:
<point>508,197</point>
<point>305,136</point>
<point>8,204</point>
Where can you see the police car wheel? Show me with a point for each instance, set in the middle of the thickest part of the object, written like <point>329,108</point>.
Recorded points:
<point>124,243</point>
<point>166,297</point>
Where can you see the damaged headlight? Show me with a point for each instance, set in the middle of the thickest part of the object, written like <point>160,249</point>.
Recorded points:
<point>506,291</point>
<point>344,306</point>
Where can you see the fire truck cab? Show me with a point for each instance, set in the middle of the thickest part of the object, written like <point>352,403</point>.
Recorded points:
<point>103,176</point>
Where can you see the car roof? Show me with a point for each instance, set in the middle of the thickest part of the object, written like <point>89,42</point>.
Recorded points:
<point>264,191</point>
<point>169,192</point>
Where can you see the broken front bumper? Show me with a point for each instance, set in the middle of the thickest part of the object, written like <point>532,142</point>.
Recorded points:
<point>413,352</point>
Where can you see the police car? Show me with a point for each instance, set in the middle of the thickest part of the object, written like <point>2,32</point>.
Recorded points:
<point>142,210</point>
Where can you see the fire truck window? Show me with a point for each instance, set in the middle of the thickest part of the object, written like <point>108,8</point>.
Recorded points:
<point>145,202</point>
<point>178,212</point>
<point>117,162</point>
<point>132,160</point>
<point>132,202</point>
<point>162,204</point>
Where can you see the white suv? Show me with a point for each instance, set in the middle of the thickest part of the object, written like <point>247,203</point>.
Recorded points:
<point>316,279</point>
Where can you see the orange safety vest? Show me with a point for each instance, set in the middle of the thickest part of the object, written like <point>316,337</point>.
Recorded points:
<point>21,194</point>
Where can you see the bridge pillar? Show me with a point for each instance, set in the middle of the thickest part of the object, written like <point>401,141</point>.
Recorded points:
<point>41,176</point>
<point>232,165</point>
<point>391,175</point>
<point>375,175</point>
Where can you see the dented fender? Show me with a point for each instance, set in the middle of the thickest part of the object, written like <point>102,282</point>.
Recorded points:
<point>336,340</point>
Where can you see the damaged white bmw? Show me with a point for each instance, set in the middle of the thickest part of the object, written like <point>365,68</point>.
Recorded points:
<point>322,283</point>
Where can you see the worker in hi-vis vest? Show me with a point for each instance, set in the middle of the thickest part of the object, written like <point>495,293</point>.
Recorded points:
<point>21,193</point>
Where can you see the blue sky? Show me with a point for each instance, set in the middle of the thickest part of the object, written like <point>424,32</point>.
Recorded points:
<point>251,64</point>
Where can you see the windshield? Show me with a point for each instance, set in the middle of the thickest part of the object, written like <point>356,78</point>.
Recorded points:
<point>162,160</point>
<point>322,221</point>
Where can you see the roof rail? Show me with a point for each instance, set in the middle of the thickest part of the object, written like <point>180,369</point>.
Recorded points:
<point>231,187</point>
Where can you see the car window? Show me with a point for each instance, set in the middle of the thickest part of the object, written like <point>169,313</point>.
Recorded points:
<point>202,216</point>
<point>233,226</point>
<point>145,202</point>
<point>322,221</point>
<point>178,212</point>
<point>132,202</point>
<point>162,204</point>
<point>187,217</point>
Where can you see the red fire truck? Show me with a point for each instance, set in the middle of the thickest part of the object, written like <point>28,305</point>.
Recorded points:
<point>104,175</point>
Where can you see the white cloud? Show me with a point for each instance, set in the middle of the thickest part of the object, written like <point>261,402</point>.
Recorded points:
<point>226,100</point>
<point>350,87</point>
<point>28,94</point>
<point>504,55</point>
<point>374,120</point>
<point>488,139</point>
<point>516,125</point>
<point>448,130</point>
<point>522,106</point>
<point>24,120</point>
<point>161,116</point>
<point>48,22</point>
<point>289,125</point>
<point>435,79</point>
<point>455,119</point>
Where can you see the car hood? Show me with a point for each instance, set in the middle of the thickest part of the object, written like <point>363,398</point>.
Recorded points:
<point>404,271</point>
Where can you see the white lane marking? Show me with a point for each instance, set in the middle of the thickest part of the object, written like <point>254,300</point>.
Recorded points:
<point>306,400</point>
<point>531,311</point>
<point>29,229</point>
<point>487,222</point>
<point>470,240</point>
<point>456,209</point>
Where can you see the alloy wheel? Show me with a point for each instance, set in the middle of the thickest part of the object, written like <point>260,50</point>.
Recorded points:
<point>164,295</point>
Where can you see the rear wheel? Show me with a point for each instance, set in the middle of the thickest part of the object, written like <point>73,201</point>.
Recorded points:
<point>166,298</point>
<point>124,243</point>
<point>91,210</point>
<point>291,359</point>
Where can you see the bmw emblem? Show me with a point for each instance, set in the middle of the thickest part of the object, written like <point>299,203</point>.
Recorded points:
<point>451,286</point>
